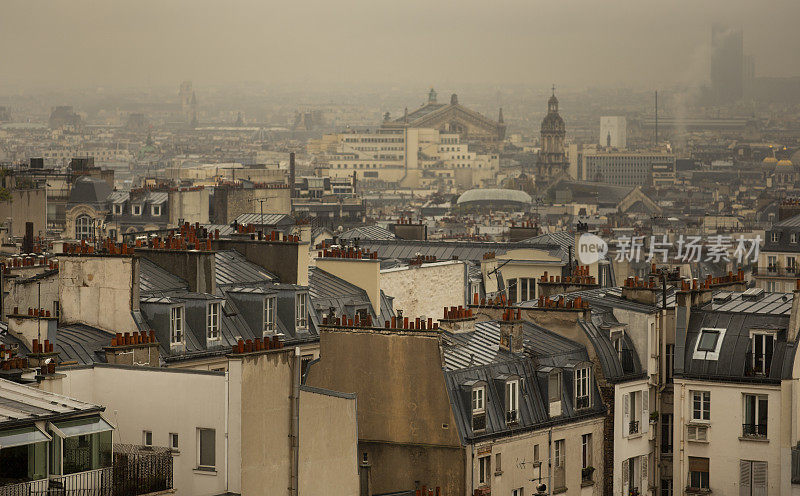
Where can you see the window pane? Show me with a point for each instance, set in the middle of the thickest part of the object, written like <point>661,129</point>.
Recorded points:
<point>207,447</point>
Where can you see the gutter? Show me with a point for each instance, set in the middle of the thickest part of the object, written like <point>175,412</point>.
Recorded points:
<point>295,426</point>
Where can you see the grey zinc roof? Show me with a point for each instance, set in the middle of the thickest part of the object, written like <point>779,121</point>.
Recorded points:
<point>494,195</point>
<point>367,232</point>
<point>614,366</point>
<point>266,220</point>
<point>153,278</point>
<point>776,304</point>
<point>611,297</point>
<point>564,239</point>
<point>82,343</point>
<point>89,190</point>
<point>157,197</point>
<point>732,363</point>
<point>21,405</point>
<point>482,346</point>
<point>233,269</point>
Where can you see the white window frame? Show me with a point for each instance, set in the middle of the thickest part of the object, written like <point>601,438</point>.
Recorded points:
<point>83,227</point>
<point>793,238</point>
<point>300,310</point>
<point>200,448</point>
<point>761,335</point>
<point>774,236</point>
<point>270,302</point>
<point>478,399</point>
<point>136,210</point>
<point>484,469</point>
<point>583,385</point>
<point>118,209</point>
<point>155,210</point>
<point>586,450</point>
<point>756,411</point>
<point>147,438</point>
<point>213,311</point>
<point>177,336</point>
<point>512,399</point>
<point>703,414</point>
<point>558,453</point>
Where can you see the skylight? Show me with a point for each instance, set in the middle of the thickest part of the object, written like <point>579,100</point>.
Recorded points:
<point>708,340</point>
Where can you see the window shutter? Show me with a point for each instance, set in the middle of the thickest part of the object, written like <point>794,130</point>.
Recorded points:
<point>626,415</point>
<point>759,478</point>
<point>744,478</point>
<point>645,421</point>
<point>643,489</point>
<point>625,477</point>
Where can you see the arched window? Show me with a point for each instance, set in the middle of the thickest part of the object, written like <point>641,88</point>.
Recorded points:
<point>83,227</point>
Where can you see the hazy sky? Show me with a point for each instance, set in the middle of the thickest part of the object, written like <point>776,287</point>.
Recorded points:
<point>570,42</point>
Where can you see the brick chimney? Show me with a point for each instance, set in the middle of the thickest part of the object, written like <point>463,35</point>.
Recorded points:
<point>511,331</point>
<point>133,349</point>
<point>458,320</point>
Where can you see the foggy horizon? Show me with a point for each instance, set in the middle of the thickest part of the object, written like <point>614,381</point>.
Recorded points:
<point>89,44</point>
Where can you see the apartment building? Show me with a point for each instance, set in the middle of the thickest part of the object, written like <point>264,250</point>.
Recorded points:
<point>411,157</point>
<point>778,266</point>
<point>627,168</point>
<point>496,406</point>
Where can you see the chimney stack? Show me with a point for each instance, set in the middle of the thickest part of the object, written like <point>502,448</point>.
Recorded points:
<point>511,331</point>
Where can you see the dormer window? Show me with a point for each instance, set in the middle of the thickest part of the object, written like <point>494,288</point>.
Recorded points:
<point>512,401</point>
<point>554,392</point>
<point>708,340</point>
<point>761,347</point>
<point>176,335</point>
<point>478,395</point>
<point>155,210</point>
<point>300,313</point>
<point>583,398</point>
<point>118,209</point>
<point>793,238</point>
<point>137,210</point>
<point>212,321</point>
<point>774,237</point>
<point>269,315</point>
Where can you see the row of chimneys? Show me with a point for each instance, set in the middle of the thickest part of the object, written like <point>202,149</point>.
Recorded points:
<point>525,223</point>
<point>488,255</point>
<point>581,277</point>
<point>497,301</point>
<point>510,314</point>
<point>425,491</point>
<point>39,348</point>
<point>562,302</point>
<point>33,312</point>
<point>709,281</point>
<point>344,321</point>
<point>406,221</point>
<point>27,261</point>
<point>126,339</point>
<point>349,252</point>
<point>458,312</point>
<point>417,324</point>
<point>145,189</point>
<point>257,344</point>
<point>420,259</point>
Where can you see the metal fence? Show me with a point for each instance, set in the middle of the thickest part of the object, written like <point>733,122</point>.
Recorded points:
<point>136,470</point>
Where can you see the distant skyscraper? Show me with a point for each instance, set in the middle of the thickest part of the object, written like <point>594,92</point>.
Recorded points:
<point>613,131</point>
<point>727,63</point>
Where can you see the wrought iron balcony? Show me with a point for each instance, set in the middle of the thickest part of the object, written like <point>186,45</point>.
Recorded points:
<point>633,427</point>
<point>754,430</point>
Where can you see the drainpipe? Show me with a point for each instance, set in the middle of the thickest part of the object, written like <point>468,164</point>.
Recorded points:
<point>550,461</point>
<point>227,407</point>
<point>293,489</point>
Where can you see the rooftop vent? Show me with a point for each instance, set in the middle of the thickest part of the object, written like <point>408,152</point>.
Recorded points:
<point>753,294</point>
<point>722,296</point>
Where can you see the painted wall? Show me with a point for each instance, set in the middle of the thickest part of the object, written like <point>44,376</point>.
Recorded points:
<point>424,290</point>
<point>91,285</point>
<point>26,205</point>
<point>328,443</point>
<point>162,401</point>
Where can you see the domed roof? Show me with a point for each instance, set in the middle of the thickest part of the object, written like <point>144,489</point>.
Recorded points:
<point>770,160</point>
<point>553,121</point>
<point>784,163</point>
<point>552,101</point>
<point>494,195</point>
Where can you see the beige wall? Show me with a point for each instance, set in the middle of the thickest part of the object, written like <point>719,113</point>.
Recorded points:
<point>425,290</point>
<point>191,206</point>
<point>518,468</point>
<point>27,295</point>
<point>262,383</point>
<point>328,443</point>
<point>365,274</point>
<point>89,286</point>
<point>162,401</point>
<point>724,447</point>
<point>405,422</point>
<point>26,205</point>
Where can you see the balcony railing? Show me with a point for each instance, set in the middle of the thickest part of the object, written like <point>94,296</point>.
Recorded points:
<point>754,430</point>
<point>633,427</point>
<point>760,366</point>
<point>512,417</point>
<point>582,402</point>
<point>777,271</point>
<point>135,471</point>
